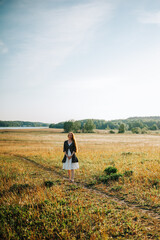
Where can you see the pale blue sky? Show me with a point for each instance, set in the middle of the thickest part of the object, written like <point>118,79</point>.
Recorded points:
<point>63,59</point>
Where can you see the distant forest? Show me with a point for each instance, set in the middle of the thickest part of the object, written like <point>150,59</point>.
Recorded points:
<point>22,124</point>
<point>145,123</point>
<point>129,124</point>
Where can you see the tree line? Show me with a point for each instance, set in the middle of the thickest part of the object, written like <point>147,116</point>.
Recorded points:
<point>76,126</point>
<point>135,125</point>
<point>22,124</point>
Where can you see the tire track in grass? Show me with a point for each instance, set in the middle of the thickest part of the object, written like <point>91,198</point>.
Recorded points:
<point>131,206</point>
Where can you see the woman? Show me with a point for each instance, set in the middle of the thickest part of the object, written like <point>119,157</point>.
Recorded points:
<point>70,160</point>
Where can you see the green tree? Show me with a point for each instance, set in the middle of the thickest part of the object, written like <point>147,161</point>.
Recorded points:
<point>134,124</point>
<point>144,130</point>
<point>136,130</point>
<point>76,126</point>
<point>89,126</point>
<point>68,126</point>
<point>121,128</point>
<point>51,125</point>
<point>153,127</point>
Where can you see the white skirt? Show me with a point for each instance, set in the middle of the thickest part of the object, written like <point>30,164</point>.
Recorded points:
<point>68,164</point>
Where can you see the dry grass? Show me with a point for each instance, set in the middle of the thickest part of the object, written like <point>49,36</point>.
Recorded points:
<point>78,214</point>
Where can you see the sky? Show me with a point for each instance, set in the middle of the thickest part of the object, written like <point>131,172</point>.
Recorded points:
<point>79,59</point>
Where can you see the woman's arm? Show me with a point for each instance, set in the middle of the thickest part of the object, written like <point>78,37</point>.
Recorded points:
<point>72,153</point>
<point>66,154</point>
<point>64,150</point>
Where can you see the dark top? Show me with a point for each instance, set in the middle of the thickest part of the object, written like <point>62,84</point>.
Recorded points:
<point>72,148</point>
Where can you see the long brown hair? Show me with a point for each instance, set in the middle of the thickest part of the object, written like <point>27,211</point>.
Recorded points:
<point>74,140</point>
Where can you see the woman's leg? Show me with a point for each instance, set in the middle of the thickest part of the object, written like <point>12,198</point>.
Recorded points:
<point>69,173</point>
<point>72,171</point>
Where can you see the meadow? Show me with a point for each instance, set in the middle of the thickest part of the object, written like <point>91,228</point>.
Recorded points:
<point>38,202</point>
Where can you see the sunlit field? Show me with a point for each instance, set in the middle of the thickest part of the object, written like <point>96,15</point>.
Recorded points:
<point>38,202</point>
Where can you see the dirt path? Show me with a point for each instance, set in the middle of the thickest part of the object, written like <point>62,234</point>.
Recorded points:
<point>131,206</point>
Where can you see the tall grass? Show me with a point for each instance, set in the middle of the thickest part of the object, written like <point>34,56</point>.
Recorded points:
<point>32,209</point>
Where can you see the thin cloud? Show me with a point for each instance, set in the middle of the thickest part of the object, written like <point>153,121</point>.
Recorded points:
<point>3,48</point>
<point>54,35</point>
<point>149,17</point>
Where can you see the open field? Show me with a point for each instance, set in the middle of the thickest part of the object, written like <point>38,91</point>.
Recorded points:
<point>37,201</point>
